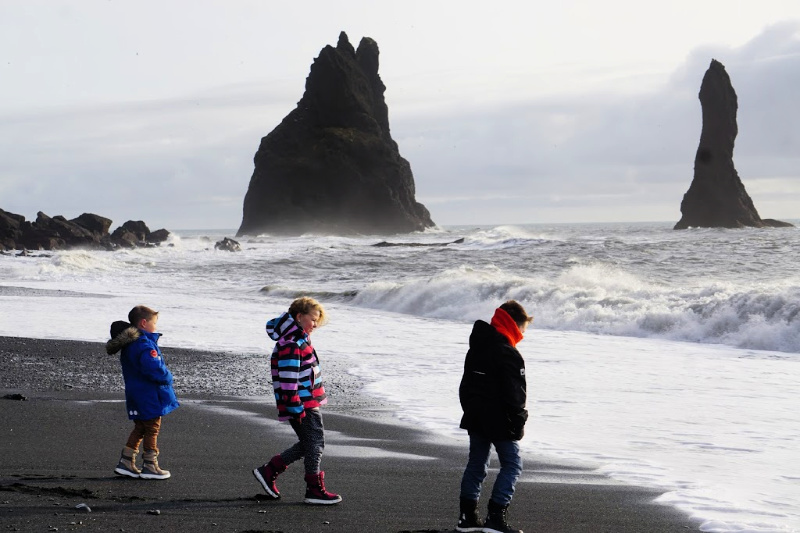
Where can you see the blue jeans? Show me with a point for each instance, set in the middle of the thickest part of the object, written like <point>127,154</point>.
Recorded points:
<point>478,466</point>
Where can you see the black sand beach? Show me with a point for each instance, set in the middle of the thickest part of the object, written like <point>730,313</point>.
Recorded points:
<point>60,445</point>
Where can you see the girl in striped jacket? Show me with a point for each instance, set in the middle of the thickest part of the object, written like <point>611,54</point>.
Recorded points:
<point>299,393</point>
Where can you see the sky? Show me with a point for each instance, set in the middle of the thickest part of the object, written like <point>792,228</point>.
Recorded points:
<point>509,112</point>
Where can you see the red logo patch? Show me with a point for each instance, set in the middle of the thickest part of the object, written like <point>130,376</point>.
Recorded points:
<point>153,353</point>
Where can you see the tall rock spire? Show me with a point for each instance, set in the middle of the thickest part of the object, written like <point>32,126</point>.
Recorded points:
<point>717,197</point>
<point>331,165</point>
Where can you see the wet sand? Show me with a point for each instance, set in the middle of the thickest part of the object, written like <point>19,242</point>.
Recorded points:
<point>60,445</point>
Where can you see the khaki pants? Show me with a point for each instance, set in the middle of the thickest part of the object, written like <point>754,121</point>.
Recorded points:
<point>147,431</point>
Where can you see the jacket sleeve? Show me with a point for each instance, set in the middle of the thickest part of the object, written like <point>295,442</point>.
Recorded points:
<point>287,395</point>
<point>152,366</point>
<point>513,391</point>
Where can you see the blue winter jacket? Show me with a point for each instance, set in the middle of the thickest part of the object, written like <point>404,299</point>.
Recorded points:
<point>148,381</point>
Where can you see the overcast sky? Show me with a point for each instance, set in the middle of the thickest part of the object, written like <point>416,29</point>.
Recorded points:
<point>509,112</point>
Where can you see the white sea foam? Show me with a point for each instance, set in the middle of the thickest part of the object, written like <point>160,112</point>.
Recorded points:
<point>606,300</point>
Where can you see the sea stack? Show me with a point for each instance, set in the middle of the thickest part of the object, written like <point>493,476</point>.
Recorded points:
<point>717,198</point>
<point>331,166</point>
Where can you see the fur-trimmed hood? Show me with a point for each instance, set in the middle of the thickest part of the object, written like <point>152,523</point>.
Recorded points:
<point>122,334</point>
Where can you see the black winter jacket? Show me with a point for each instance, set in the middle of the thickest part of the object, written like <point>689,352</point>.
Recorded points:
<point>493,388</point>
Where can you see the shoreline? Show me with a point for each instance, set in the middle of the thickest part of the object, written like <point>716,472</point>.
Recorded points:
<point>62,443</point>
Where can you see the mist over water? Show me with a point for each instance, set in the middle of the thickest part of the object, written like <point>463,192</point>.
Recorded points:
<point>662,358</point>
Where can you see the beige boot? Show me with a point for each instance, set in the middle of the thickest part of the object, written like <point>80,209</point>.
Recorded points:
<point>150,469</point>
<point>127,463</point>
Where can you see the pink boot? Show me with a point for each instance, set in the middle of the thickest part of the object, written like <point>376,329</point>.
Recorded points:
<point>316,493</point>
<point>268,473</point>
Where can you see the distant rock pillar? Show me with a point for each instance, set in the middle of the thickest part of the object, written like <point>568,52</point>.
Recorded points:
<point>717,197</point>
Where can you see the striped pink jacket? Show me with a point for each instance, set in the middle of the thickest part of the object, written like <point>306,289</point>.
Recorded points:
<point>296,374</point>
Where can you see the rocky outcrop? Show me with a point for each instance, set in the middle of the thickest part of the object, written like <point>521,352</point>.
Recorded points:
<point>228,245</point>
<point>86,231</point>
<point>331,165</point>
<point>10,229</point>
<point>717,198</point>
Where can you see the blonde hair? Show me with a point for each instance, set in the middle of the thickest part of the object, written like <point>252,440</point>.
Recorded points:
<point>139,313</point>
<point>306,304</point>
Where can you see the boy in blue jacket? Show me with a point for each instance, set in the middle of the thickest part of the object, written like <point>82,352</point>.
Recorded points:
<point>148,389</point>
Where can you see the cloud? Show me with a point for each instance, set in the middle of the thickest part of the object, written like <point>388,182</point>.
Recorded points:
<point>617,156</point>
<point>593,153</point>
<point>174,163</point>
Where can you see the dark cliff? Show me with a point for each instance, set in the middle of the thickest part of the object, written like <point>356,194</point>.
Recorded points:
<point>717,198</point>
<point>88,231</point>
<point>331,165</point>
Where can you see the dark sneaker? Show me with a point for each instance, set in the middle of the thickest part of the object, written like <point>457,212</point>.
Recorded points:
<point>496,520</point>
<point>316,494</point>
<point>468,517</point>
<point>469,523</point>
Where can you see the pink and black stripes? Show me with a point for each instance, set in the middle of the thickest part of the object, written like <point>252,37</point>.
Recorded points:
<point>296,375</point>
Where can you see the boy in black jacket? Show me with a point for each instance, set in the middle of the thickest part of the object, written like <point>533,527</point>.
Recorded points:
<point>493,397</point>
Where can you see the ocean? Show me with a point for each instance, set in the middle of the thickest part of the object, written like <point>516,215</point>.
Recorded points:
<point>658,358</point>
